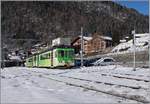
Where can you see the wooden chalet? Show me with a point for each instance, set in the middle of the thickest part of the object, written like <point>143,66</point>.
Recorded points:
<point>95,43</point>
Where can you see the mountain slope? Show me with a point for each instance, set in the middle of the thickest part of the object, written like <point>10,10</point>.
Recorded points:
<point>26,23</point>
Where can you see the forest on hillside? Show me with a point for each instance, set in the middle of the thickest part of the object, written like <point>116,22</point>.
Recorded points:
<point>26,23</point>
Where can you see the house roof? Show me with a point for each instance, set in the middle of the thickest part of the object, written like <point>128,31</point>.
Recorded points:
<point>15,58</point>
<point>84,37</point>
<point>106,38</point>
<point>90,38</point>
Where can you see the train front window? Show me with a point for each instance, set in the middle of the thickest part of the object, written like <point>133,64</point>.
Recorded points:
<point>66,53</point>
<point>61,53</point>
<point>71,53</point>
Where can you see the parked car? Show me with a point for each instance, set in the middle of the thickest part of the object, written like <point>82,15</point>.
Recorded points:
<point>104,61</point>
<point>90,61</point>
<point>78,62</point>
<point>87,62</point>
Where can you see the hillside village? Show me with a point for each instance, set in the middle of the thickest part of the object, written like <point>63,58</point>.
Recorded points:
<point>94,45</point>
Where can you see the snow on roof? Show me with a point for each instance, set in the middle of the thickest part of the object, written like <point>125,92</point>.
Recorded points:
<point>122,41</point>
<point>103,37</point>
<point>36,45</point>
<point>142,35</point>
<point>86,38</point>
<point>106,37</point>
<point>141,44</point>
<point>15,58</point>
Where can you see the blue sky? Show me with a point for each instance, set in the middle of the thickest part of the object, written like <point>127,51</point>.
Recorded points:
<point>141,6</point>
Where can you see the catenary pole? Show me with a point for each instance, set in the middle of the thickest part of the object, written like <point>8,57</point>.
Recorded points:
<point>134,48</point>
<point>2,55</point>
<point>81,47</point>
<point>2,50</point>
<point>149,50</point>
<point>149,38</point>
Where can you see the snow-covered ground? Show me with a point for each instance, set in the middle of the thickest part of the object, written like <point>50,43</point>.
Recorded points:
<point>101,84</point>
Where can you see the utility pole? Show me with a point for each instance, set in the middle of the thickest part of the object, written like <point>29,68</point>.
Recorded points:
<point>149,50</point>
<point>134,47</point>
<point>2,56</point>
<point>149,41</point>
<point>81,52</point>
<point>2,50</point>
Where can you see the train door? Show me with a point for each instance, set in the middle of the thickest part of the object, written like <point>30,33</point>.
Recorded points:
<point>37,60</point>
<point>52,58</point>
<point>65,55</point>
<point>32,62</point>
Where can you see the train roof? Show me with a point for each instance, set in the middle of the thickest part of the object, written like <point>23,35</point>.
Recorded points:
<point>51,48</point>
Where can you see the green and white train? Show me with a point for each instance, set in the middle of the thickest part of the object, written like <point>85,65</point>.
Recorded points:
<point>59,56</point>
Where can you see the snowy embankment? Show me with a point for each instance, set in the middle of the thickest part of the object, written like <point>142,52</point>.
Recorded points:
<point>141,43</point>
<point>106,84</point>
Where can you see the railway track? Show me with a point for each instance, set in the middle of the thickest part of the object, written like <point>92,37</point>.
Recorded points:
<point>101,82</point>
<point>106,83</point>
<point>120,75</point>
<point>129,97</point>
<point>137,79</point>
<point>57,78</point>
<point>100,71</point>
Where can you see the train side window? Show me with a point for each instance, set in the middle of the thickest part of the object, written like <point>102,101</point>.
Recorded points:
<point>45,56</point>
<point>30,60</point>
<point>71,53</point>
<point>56,53</point>
<point>34,58</point>
<point>41,57</point>
<point>49,55</point>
